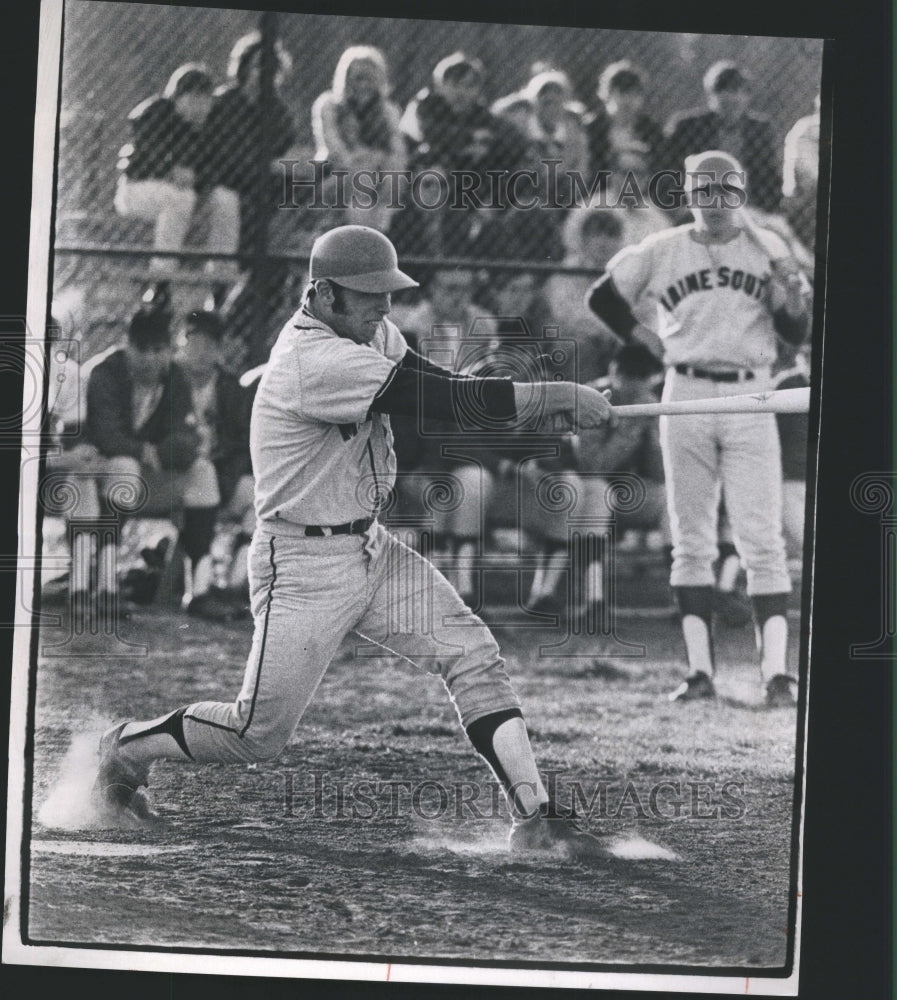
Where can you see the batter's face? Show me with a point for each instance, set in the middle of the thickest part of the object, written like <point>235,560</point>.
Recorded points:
<point>359,316</point>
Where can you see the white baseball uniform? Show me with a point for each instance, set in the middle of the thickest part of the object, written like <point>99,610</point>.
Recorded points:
<point>714,319</point>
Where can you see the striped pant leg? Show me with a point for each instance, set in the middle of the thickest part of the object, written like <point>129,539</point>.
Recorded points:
<point>306,595</point>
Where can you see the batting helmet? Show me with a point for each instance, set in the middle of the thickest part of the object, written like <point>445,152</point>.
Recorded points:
<point>359,258</point>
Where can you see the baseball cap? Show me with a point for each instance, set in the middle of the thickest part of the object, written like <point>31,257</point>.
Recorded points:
<point>716,162</point>
<point>359,258</point>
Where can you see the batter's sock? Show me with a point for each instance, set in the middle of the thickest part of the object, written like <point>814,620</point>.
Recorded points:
<point>143,742</point>
<point>771,629</point>
<point>729,567</point>
<point>502,741</point>
<point>696,607</point>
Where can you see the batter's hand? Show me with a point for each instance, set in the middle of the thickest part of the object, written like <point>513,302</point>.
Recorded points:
<point>593,408</point>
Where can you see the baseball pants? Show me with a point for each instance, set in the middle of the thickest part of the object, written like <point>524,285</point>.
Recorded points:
<point>308,595</point>
<point>735,452</point>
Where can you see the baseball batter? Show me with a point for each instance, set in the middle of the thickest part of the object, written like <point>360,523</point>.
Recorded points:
<point>321,565</point>
<point>721,302</point>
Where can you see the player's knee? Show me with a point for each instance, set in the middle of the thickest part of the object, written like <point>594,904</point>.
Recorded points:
<point>265,743</point>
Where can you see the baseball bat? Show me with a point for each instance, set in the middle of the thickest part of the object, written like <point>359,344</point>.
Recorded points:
<point>775,401</point>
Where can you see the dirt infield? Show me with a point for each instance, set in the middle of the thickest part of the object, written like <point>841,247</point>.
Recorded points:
<point>376,833</point>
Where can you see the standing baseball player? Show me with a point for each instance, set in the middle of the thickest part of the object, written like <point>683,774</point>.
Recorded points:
<point>321,565</point>
<point>722,297</point>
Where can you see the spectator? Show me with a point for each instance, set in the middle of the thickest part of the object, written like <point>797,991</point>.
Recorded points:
<point>169,165</point>
<point>632,447</point>
<point>222,411</point>
<point>238,125</point>
<point>621,135</point>
<point>451,131</point>
<point>140,419</point>
<point>599,235</point>
<point>444,320</point>
<point>523,314</point>
<point>543,112</point>
<point>356,127</point>
<point>801,175</point>
<point>729,125</point>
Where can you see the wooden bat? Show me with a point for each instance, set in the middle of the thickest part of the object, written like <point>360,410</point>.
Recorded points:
<point>775,401</point>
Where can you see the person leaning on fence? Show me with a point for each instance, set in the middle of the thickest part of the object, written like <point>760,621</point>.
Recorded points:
<point>169,166</point>
<point>729,126</point>
<point>140,419</point>
<point>356,128</point>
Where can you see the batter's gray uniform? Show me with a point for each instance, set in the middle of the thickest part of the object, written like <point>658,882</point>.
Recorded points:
<point>321,457</point>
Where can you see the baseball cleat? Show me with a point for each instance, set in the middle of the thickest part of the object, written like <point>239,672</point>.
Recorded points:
<point>693,688</point>
<point>549,831</point>
<point>118,787</point>
<point>779,691</point>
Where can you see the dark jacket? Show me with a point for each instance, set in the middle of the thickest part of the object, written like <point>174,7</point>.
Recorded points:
<point>235,131</point>
<point>446,137</point>
<point>162,139</point>
<point>696,132</point>
<point>601,154</point>
<point>231,453</point>
<point>110,408</point>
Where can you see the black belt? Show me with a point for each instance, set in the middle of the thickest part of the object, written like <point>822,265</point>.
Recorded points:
<point>358,527</point>
<point>742,375</point>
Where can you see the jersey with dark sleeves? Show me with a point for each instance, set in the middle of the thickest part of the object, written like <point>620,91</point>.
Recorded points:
<point>417,386</point>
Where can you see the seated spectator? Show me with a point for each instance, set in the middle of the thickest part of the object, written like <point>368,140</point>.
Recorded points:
<point>445,317</point>
<point>599,235</point>
<point>239,123</point>
<point>222,410</point>
<point>140,419</point>
<point>544,114</point>
<point>621,135</point>
<point>800,175</point>
<point>169,166</point>
<point>729,125</point>
<point>450,130</point>
<point>446,308</point>
<point>632,446</point>
<point>356,127</point>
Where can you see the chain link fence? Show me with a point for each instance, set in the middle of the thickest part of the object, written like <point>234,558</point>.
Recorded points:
<point>230,139</point>
<point>202,151</point>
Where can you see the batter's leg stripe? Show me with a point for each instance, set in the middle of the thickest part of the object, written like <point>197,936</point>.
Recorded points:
<point>258,673</point>
<point>214,725</point>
